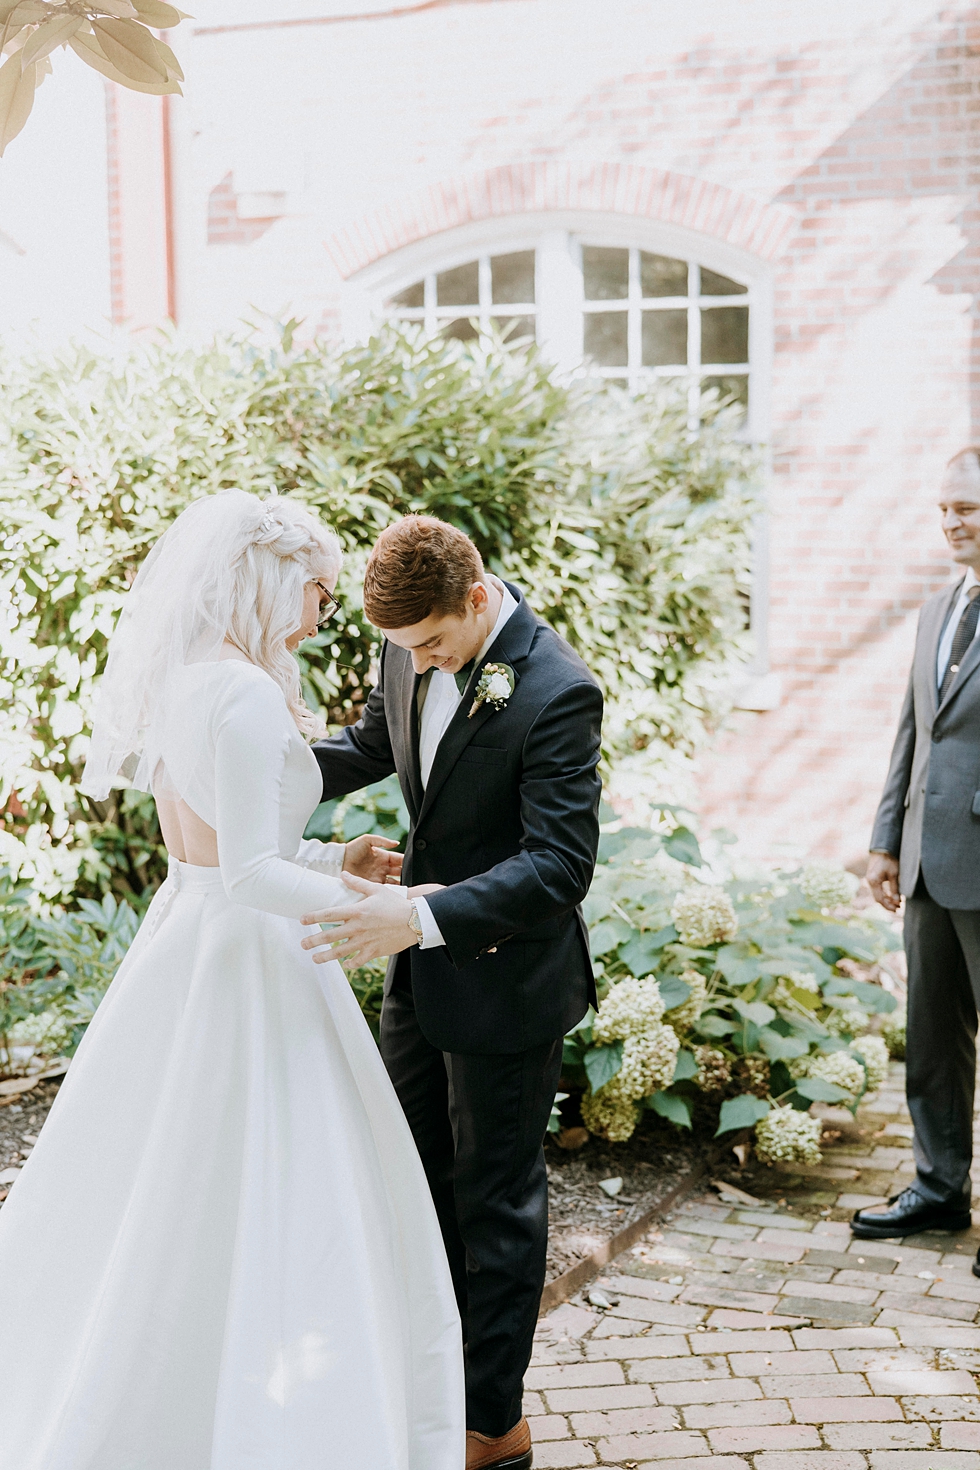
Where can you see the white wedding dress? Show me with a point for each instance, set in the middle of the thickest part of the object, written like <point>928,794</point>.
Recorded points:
<point>222,1253</point>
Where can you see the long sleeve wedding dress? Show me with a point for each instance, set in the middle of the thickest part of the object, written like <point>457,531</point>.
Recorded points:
<point>222,1253</point>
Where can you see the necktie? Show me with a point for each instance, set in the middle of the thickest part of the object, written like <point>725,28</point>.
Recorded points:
<point>965,633</point>
<point>463,677</point>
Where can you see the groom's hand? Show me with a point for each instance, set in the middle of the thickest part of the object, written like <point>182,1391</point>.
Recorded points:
<point>364,931</point>
<point>369,857</point>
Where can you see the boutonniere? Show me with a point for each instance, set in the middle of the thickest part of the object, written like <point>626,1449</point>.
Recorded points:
<point>495,687</point>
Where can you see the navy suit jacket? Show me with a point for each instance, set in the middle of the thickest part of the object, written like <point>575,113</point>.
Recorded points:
<point>509,820</point>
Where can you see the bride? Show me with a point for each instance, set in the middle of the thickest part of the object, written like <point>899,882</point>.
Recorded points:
<point>222,1254</point>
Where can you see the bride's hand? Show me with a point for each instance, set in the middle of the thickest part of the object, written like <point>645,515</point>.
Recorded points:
<point>369,857</point>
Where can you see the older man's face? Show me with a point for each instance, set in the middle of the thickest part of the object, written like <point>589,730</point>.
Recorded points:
<point>959,505</point>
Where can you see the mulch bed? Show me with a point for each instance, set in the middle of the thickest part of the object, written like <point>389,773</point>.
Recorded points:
<point>20,1123</point>
<point>582,1216</point>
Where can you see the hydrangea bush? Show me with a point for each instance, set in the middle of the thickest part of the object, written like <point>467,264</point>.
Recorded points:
<point>762,993</point>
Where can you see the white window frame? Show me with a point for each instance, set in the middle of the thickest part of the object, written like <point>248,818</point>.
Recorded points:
<point>559,309</point>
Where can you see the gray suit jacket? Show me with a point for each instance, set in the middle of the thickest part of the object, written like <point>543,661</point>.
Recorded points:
<point>929,816</point>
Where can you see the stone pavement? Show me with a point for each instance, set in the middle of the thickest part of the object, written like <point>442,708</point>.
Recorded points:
<point>767,1336</point>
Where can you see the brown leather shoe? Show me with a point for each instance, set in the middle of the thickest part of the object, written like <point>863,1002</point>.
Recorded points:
<point>510,1451</point>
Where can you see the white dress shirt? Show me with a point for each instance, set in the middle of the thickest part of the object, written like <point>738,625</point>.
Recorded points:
<point>952,623</point>
<point>442,700</point>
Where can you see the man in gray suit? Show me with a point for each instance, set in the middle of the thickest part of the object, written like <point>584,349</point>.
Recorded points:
<point>926,846</point>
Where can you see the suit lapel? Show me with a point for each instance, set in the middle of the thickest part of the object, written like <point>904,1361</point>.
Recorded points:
<point>405,734</point>
<point>931,636</point>
<point>969,665</point>
<point>511,647</point>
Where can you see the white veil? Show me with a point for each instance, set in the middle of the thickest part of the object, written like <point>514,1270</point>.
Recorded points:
<point>175,614</point>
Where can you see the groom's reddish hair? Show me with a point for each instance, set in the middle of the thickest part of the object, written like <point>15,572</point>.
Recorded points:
<point>419,566</point>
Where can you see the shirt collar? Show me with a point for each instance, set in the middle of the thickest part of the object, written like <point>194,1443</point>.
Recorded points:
<point>970,580</point>
<point>508,606</point>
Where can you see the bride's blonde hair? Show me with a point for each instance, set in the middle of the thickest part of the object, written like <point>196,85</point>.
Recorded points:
<point>288,548</point>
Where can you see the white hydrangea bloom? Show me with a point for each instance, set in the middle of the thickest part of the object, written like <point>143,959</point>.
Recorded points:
<point>704,916</point>
<point>803,980</point>
<point>840,1068</point>
<point>786,1136</point>
<point>826,885</point>
<point>689,1010</point>
<point>609,1115</point>
<point>631,1006</point>
<point>893,1034</point>
<point>649,1060</point>
<point>850,1018</point>
<point>874,1050</point>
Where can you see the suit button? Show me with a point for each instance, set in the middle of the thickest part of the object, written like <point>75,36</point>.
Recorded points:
<point>936,739</point>
<point>420,844</point>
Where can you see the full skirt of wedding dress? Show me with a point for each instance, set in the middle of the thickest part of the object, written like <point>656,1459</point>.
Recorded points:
<point>222,1253</point>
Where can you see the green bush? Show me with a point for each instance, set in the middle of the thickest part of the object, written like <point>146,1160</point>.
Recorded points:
<point>628,532</point>
<point>758,996</point>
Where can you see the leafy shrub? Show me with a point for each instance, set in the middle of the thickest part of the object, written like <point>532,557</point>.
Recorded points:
<point>768,999</point>
<point>627,532</point>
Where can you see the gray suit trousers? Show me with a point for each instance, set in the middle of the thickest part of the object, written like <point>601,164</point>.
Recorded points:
<point>943,950</point>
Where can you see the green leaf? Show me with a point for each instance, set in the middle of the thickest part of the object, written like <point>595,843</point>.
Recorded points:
<point>873,996</point>
<point>709,1024</point>
<point>673,991</point>
<point>320,824</point>
<point>741,1112</point>
<point>754,1010</point>
<point>129,47</point>
<point>55,32</point>
<point>781,1048</point>
<point>686,1066</point>
<point>817,1090</point>
<point>682,845</point>
<point>669,1105</point>
<point>641,954</point>
<point>738,967</point>
<point>357,821</point>
<point>602,1063</point>
<point>608,934</point>
<point>613,843</point>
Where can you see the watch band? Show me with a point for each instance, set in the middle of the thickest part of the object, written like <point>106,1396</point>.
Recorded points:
<point>414,922</point>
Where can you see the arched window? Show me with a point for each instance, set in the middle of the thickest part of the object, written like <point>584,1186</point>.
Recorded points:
<point>623,311</point>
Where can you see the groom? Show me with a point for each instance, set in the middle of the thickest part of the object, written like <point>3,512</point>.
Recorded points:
<point>493,724</point>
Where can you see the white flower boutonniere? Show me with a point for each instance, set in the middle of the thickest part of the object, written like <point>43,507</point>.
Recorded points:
<point>495,687</point>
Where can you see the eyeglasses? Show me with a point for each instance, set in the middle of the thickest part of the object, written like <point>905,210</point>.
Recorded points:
<point>328,609</point>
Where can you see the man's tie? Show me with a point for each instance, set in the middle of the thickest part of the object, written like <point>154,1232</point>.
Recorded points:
<point>463,677</point>
<point>965,633</point>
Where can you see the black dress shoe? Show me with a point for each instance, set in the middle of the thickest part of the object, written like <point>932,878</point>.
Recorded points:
<point>907,1214</point>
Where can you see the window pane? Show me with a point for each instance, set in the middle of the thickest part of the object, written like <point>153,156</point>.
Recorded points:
<point>712,285</point>
<point>462,329</point>
<point>459,287</point>
<point>730,389</point>
<point>517,328</point>
<point>607,274</point>
<point>725,334</point>
<point>660,276</point>
<point>411,296</point>
<point>664,338</point>
<point>513,276</point>
<point>605,338</point>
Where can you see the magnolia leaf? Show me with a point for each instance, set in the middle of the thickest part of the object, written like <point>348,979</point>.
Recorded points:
<point>169,59</point>
<point>781,1048</point>
<point>817,1090</point>
<point>55,33</point>
<point>673,991</point>
<point>741,1112</point>
<point>682,845</point>
<point>17,87</point>
<point>88,48</point>
<point>686,1066</point>
<point>26,12</point>
<point>602,1063</point>
<point>121,9</point>
<point>668,1105</point>
<point>754,1010</point>
<point>130,49</point>
<point>156,13</point>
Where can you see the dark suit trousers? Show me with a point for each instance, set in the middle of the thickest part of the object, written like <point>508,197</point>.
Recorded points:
<point>943,950</point>
<point>479,1124</point>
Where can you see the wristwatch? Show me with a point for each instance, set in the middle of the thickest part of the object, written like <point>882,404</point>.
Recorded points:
<point>414,922</point>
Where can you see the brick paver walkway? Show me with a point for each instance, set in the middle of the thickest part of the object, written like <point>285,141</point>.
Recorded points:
<point>768,1337</point>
